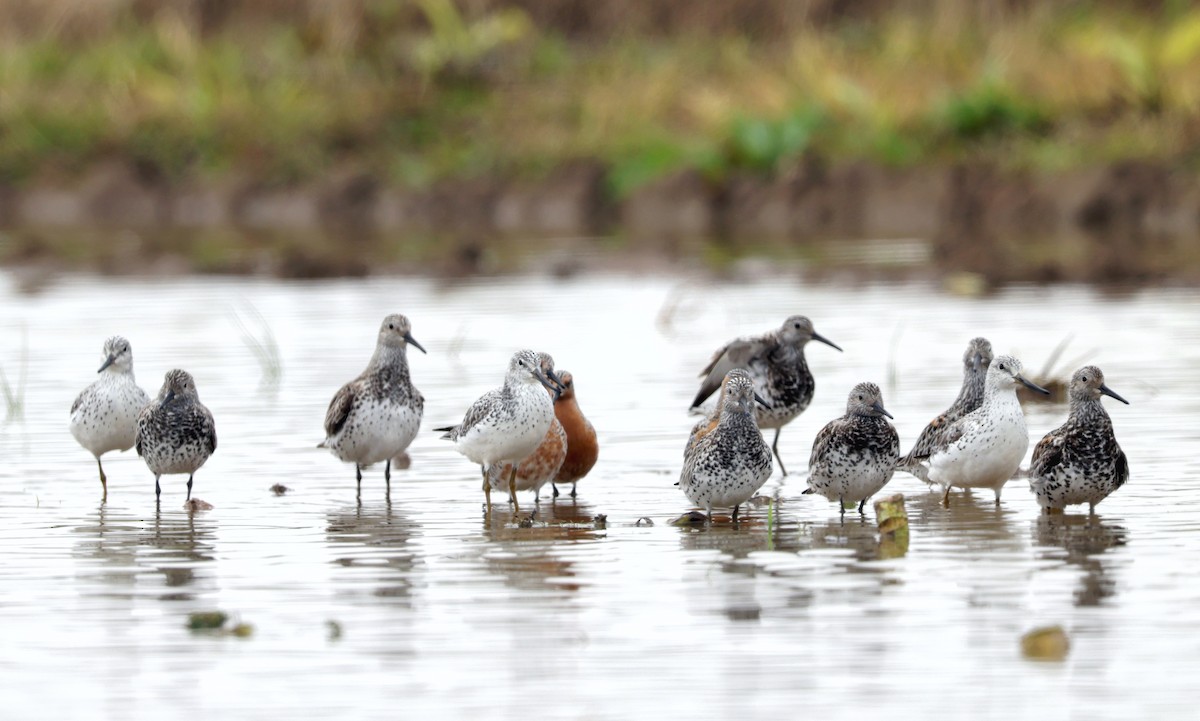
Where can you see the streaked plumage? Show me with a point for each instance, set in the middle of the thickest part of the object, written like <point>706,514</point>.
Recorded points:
<point>104,415</point>
<point>854,456</point>
<point>976,360</point>
<point>583,448</point>
<point>985,447</point>
<point>377,415</point>
<point>776,363</point>
<point>1080,461</point>
<point>729,463</point>
<point>175,433</point>
<point>506,424</point>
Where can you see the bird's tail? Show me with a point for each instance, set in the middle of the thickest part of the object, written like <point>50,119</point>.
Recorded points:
<point>914,467</point>
<point>806,491</point>
<point>323,443</point>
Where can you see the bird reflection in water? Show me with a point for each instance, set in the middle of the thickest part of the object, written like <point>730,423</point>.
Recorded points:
<point>375,541</point>
<point>174,545</point>
<point>1085,539</point>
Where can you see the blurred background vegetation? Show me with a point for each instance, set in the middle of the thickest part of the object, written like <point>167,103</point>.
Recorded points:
<point>415,91</point>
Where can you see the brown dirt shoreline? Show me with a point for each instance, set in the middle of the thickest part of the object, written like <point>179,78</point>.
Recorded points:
<point>1128,222</point>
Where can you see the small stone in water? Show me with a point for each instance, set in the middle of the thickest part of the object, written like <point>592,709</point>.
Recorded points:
<point>242,630</point>
<point>196,504</point>
<point>1049,643</point>
<point>644,521</point>
<point>335,629</point>
<point>279,489</point>
<point>691,518</point>
<point>600,521</point>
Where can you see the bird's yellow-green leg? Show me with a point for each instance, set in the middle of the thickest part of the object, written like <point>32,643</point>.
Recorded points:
<point>487,489</point>
<point>103,479</point>
<point>946,497</point>
<point>512,488</point>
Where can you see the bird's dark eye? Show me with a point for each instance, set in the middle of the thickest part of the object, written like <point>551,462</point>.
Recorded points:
<point>796,326</point>
<point>1002,367</point>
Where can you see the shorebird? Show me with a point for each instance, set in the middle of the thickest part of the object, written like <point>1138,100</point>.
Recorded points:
<point>175,432</point>
<point>781,376</point>
<point>730,462</point>
<point>376,416</point>
<point>104,416</point>
<point>984,448</point>
<point>854,456</point>
<point>976,360</point>
<point>542,465</point>
<point>705,426</point>
<point>582,447</point>
<point>506,424</point>
<point>1080,461</point>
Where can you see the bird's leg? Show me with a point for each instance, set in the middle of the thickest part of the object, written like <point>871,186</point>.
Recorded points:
<point>842,508</point>
<point>998,495</point>
<point>358,478</point>
<point>103,479</point>
<point>487,488</point>
<point>862,504</point>
<point>512,488</point>
<point>775,448</point>
<point>574,486</point>
<point>946,496</point>
<point>555,489</point>
<point>189,495</point>
<point>735,512</point>
<point>387,473</point>
<point>157,489</point>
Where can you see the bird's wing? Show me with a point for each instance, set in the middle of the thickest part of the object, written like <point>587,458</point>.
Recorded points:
<point>476,413</point>
<point>137,430</point>
<point>212,429</point>
<point>926,442</point>
<point>821,445</point>
<point>79,400</point>
<point>950,435</point>
<point>737,354</point>
<point>1047,454</point>
<point>1122,468</point>
<point>339,409</point>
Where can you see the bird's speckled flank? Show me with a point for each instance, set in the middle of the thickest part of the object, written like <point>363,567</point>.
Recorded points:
<point>854,456</point>
<point>976,360</point>
<point>1080,461</point>
<point>104,416</point>
<point>729,463</point>
<point>175,433</point>
<point>985,447</point>
<point>377,415</point>
<point>776,363</point>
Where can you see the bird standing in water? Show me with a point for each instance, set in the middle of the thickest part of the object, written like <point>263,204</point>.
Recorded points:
<point>104,416</point>
<point>175,433</point>
<point>854,456</point>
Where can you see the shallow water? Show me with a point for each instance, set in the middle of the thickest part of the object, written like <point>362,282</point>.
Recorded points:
<point>442,611</point>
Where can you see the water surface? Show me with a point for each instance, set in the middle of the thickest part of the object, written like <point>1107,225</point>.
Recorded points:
<point>445,611</point>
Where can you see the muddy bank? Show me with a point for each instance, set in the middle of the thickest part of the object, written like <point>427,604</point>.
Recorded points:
<point>1127,222</point>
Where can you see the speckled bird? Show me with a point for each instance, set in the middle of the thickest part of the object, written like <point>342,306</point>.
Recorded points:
<point>1080,461</point>
<point>976,360</point>
<point>985,447</point>
<point>728,464</point>
<point>781,376</point>
<point>104,416</point>
<point>583,448</point>
<point>175,433</point>
<point>705,426</point>
<point>854,456</point>
<point>506,424</point>
<point>376,416</point>
<point>541,466</point>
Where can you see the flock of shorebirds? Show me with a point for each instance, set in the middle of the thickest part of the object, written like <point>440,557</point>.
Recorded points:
<point>530,431</point>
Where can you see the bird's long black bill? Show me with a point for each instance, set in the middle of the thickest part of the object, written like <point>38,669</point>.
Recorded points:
<point>762,402</point>
<point>550,385</point>
<point>413,342</point>
<point>1032,386</point>
<point>1111,393</point>
<point>826,341</point>
<point>107,362</point>
<point>879,407</point>
<point>977,362</point>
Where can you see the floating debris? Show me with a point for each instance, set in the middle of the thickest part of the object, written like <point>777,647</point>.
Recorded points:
<point>214,622</point>
<point>526,522</point>
<point>207,620</point>
<point>892,520</point>
<point>195,504</point>
<point>279,489</point>
<point>335,629</point>
<point>600,521</point>
<point>1049,643</point>
<point>644,521</point>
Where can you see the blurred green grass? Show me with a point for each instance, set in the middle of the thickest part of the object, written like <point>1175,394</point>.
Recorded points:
<point>455,95</point>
